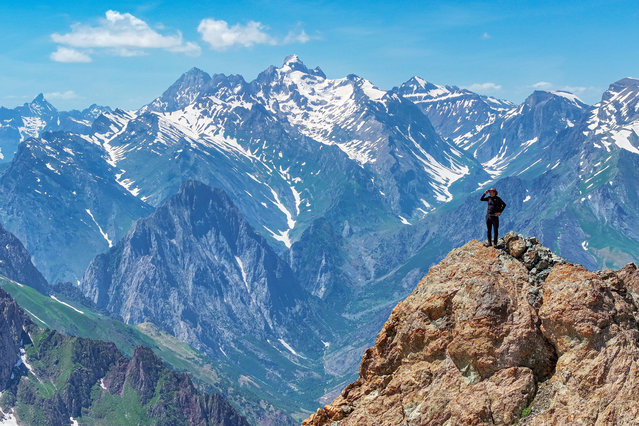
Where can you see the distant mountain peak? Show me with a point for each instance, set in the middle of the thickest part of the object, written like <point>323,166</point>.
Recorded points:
<point>40,105</point>
<point>570,96</point>
<point>627,83</point>
<point>419,82</point>
<point>196,72</point>
<point>417,79</point>
<point>425,90</point>
<point>294,63</point>
<point>194,76</point>
<point>39,99</point>
<point>183,92</point>
<point>204,250</point>
<point>292,59</point>
<point>539,97</point>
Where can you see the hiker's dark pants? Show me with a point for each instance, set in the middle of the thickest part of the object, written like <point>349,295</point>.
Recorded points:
<point>492,222</point>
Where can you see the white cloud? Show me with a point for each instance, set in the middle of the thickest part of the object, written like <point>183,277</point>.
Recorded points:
<point>484,87</point>
<point>66,54</point>
<point>219,35</point>
<point>68,94</point>
<point>189,48</point>
<point>577,90</point>
<point>122,34</point>
<point>296,37</point>
<point>543,85</point>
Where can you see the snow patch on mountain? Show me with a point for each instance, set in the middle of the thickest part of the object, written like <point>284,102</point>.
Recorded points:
<point>289,347</point>
<point>243,272</point>
<point>104,234</point>
<point>8,417</point>
<point>570,96</point>
<point>35,316</point>
<point>31,128</point>
<point>66,304</point>
<point>622,137</point>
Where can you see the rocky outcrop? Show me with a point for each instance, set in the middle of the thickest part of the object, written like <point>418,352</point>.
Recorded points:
<point>500,336</point>
<point>47,378</point>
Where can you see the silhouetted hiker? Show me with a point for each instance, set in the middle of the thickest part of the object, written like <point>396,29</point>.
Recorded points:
<point>495,206</point>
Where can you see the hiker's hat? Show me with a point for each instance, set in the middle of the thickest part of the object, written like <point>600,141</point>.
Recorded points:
<point>493,189</point>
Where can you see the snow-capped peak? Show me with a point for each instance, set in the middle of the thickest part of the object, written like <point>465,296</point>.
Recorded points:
<point>181,93</point>
<point>40,105</point>
<point>624,90</point>
<point>420,81</point>
<point>539,98</point>
<point>570,96</point>
<point>419,90</point>
<point>626,82</point>
<point>615,120</point>
<point>294,63</point>
<point>292,59</point>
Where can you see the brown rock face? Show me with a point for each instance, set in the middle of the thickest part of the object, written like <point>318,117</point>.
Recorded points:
<point>494,336</point>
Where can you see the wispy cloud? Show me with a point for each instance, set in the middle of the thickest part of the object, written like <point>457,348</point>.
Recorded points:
<point>66,95</point>
<point>484,87</point>
<point>66,54</point>
<point>542,85</point>
<point>296,37</point>
<point>220,36</point>
<point>577,90</point>
<point>120,34</point>
<point>485,36</point>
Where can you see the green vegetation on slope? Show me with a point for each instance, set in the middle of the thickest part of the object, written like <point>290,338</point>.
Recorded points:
<point>78,320</point>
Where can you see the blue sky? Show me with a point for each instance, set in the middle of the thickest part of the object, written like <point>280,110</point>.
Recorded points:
<point>78,54</point>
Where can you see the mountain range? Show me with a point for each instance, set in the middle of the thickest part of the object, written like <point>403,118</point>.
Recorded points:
<point>33,118</point>
<point>274,223</point>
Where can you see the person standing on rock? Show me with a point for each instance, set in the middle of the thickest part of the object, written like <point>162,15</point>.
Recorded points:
<point>495,206</point>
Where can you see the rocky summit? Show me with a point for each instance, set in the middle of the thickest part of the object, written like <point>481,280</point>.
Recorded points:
<point>505,335</point>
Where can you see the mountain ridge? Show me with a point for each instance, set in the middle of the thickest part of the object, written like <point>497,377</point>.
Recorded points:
<point>49,378</point>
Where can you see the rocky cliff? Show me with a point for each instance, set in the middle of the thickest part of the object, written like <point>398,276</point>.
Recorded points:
<point>47,378</point>
<point>198,269</point>
<point>500,336</point>
<point>15,262</point>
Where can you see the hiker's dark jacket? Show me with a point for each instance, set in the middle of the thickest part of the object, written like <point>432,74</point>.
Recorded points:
<point>495,204</point>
